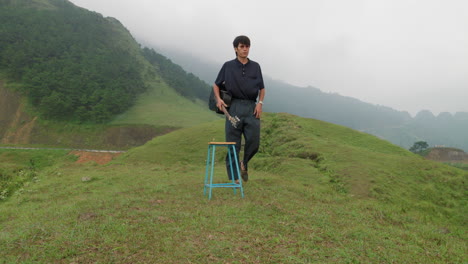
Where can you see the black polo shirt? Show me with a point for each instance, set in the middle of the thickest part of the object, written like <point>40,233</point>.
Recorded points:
<point>243,81</point>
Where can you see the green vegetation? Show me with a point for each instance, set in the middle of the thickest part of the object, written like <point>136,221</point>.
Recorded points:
<point>21,167</point>
<point>76,65</point>
<point>88,84</point>
<point>318,193</point>
<point>463,166</point>
<point>161,106</point>
<point>419,147</point>
<point>186,84</point>
<point>157,111</point>
<point>69,61</point>
<point>94,136</point>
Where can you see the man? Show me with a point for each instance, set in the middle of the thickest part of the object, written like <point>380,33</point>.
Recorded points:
<point>243,80</point>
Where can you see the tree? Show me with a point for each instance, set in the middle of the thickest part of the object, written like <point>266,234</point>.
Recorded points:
<point>419,147</point>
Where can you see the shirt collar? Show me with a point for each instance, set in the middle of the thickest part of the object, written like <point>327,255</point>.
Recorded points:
<point>240,63</point>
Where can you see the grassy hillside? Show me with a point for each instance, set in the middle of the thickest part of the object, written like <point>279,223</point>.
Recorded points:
<point>355,163</point>
<point>90,72</point>
<point>318,193</point>
<point>90,87</point>
<point>161,106</point>
<point>158,111</point>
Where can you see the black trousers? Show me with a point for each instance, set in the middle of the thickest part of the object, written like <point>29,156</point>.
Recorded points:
<point>249,127</point>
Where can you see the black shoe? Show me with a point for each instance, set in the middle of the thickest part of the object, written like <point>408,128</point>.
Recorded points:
<point>244,173</point>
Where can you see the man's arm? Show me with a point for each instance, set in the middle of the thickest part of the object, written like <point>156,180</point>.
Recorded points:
<point>258,107</point>
<point>219,102</point>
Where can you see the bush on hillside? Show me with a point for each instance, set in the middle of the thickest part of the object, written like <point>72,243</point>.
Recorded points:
<point>419,147</point>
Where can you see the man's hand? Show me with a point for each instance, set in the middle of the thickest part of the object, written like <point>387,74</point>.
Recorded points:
<point>220,103</point>
<point>258,110</point>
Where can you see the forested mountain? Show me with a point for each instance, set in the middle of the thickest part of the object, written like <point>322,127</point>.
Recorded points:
<point>72,63</point>
<point>186,84</point>
<point>396,126</point>
<point>76,65</point>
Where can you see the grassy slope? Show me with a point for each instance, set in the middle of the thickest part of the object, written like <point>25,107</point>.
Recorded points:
<point>161,106</point>
<point>19,168</point>
<point>318,193</point>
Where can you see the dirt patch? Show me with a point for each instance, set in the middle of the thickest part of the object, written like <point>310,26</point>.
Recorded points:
<point>98,157</point>
<point>15,124</point>
<point>9,103</point>
<point>448,155</point>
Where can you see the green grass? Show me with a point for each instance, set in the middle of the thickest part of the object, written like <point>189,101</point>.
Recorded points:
<point>158,111</point>
<point>463,166</point>
<point>21,167</point>
<point>318,193</point>
<point>57,134</point>
<point>162,106</point>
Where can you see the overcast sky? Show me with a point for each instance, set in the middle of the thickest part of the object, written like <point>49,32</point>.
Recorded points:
<point>406,54</point>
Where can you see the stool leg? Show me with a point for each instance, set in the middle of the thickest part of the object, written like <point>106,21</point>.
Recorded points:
<point>212,170</point>
<point>234,170</point>
<point>207,167</point>
<point>238,170</point>
<point>233,176</point>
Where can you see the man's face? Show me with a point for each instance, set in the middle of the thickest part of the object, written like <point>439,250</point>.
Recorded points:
<point>242,50</point>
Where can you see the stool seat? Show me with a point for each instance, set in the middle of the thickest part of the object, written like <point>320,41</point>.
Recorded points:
<point>209,172</point>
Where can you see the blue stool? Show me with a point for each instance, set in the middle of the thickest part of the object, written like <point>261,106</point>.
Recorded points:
<point>209,174</point>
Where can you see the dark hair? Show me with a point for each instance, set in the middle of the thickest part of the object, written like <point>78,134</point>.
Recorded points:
<point>241,40</point>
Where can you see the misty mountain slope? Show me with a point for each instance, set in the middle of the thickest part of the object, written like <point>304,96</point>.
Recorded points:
<point>334,108</point>
<point>397,126</point>
<point>308,102</point>
<point>444,130</point>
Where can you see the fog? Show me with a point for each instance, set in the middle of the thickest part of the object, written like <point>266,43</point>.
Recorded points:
<point>406,54</point>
